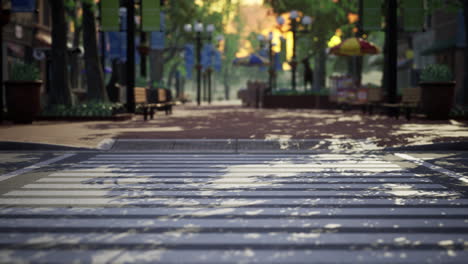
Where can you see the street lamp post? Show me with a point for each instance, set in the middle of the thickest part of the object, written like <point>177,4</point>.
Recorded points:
<point>306,21</point>
<point>198,28</point>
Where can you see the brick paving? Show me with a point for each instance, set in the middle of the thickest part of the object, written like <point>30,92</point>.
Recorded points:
<point>232,121</point>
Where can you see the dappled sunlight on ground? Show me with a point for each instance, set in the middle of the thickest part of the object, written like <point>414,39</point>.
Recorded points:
<point>236,122</point>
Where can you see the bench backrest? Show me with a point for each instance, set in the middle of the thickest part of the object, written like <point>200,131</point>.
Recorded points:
<point>374,95</point>
<point>411,95</point>
<point>141,95</point>
<point>162,95</point>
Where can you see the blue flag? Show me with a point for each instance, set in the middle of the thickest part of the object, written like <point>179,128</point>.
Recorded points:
<point>23,5</point>
<point>123,19</point>
<point>206,56</point>
<point>123,46</point>
<point>157,40</point>
<point>162,25</point>
<point>189,59</point>
<point>278,63</point>
<point>114,44</point>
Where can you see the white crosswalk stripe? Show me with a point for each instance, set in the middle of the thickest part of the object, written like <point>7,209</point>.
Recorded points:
<point>240,208</point>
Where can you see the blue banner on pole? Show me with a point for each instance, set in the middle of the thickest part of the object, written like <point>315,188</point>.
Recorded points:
<point>189,59</point>
<point>137,53</point>
<point>123,18</point>
<point>278,63</point>
<point>123,46</point>
<point>23,5</point>
<point>157,40</point>
<point>162,25</point>
<point>114,44</point>
<point>264,54</point>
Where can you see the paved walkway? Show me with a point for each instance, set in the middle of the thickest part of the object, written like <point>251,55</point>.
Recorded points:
<point>153,208</point>
<point>229,121</point>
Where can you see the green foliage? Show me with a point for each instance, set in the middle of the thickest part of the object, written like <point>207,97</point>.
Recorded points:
<point>436,73</point>
<point>90,109</point>
<point>141,81</point>
<point>24,72</point>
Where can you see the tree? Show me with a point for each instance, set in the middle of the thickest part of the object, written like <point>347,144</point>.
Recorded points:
<point>94,73</point>
<point>72,11</point>
<point>328,16</point>
<point>60,92</point>
<point>179,13</point>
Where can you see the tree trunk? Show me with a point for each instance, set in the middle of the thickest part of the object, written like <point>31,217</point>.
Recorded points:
<point>60,92</point>
<point>75,60</point>
<point>156,67</point>
<point>112,92</point>
<point>94,74</point>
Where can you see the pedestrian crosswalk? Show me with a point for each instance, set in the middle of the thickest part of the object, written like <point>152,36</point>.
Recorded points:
<point>239,208</point>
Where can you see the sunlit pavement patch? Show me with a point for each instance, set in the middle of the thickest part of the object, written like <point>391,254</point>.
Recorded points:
<point>230,208</point>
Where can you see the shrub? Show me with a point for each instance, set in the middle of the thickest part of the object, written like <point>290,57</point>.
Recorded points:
<point>436,73</point>
<point>24,72</point>
<point>90,109</point>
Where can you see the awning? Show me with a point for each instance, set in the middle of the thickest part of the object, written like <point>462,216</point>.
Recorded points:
<point>439,46</point>
<point>44,39</point>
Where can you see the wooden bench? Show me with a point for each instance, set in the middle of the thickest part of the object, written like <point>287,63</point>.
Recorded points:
<point>374,99</point>
<point>410,100</point>
<point>151,100</point>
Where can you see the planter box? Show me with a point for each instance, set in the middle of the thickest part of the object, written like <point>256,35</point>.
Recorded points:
<point>437,99</point>
<point>297,101</point>
<point>23,100</point>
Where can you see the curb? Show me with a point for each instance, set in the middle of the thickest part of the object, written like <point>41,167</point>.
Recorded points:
<point>14,145</point>
<point>447,146</point>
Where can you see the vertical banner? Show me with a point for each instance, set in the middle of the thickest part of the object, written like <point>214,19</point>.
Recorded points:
<point>372,15</point>
<point>114,42</point>
<point>150,17</point>
<point>157,40</point>
<point>162,21</point>
<point>123,46</point>
<point>278,63</point>
<point>110,15</point>
<point>189,59</point>
<point>206,56</point>
<point>23,6</point>
<point>413,14</point>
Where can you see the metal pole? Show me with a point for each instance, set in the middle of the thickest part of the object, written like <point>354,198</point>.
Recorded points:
<point>130,56</point>
<point>209,85</point>
<point>391,39</point>
<point>142,56</point>
<point>3,20</point>
<point>293,62</point>
<point>272,69</point>
<point>103,42</point>
<point>198,68</point>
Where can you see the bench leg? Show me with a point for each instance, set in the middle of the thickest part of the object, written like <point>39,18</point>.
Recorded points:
<point>408,113</point>
<point>152,113</point>
<point>145,113</point>
<point>370,109</point>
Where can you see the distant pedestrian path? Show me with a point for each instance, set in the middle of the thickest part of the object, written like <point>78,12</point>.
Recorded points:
<point>228,120</point>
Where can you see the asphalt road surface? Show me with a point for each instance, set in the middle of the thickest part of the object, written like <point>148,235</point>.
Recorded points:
<point>118,207</point>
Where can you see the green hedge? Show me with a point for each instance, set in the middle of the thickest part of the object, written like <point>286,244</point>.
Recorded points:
<point>91,109</point>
